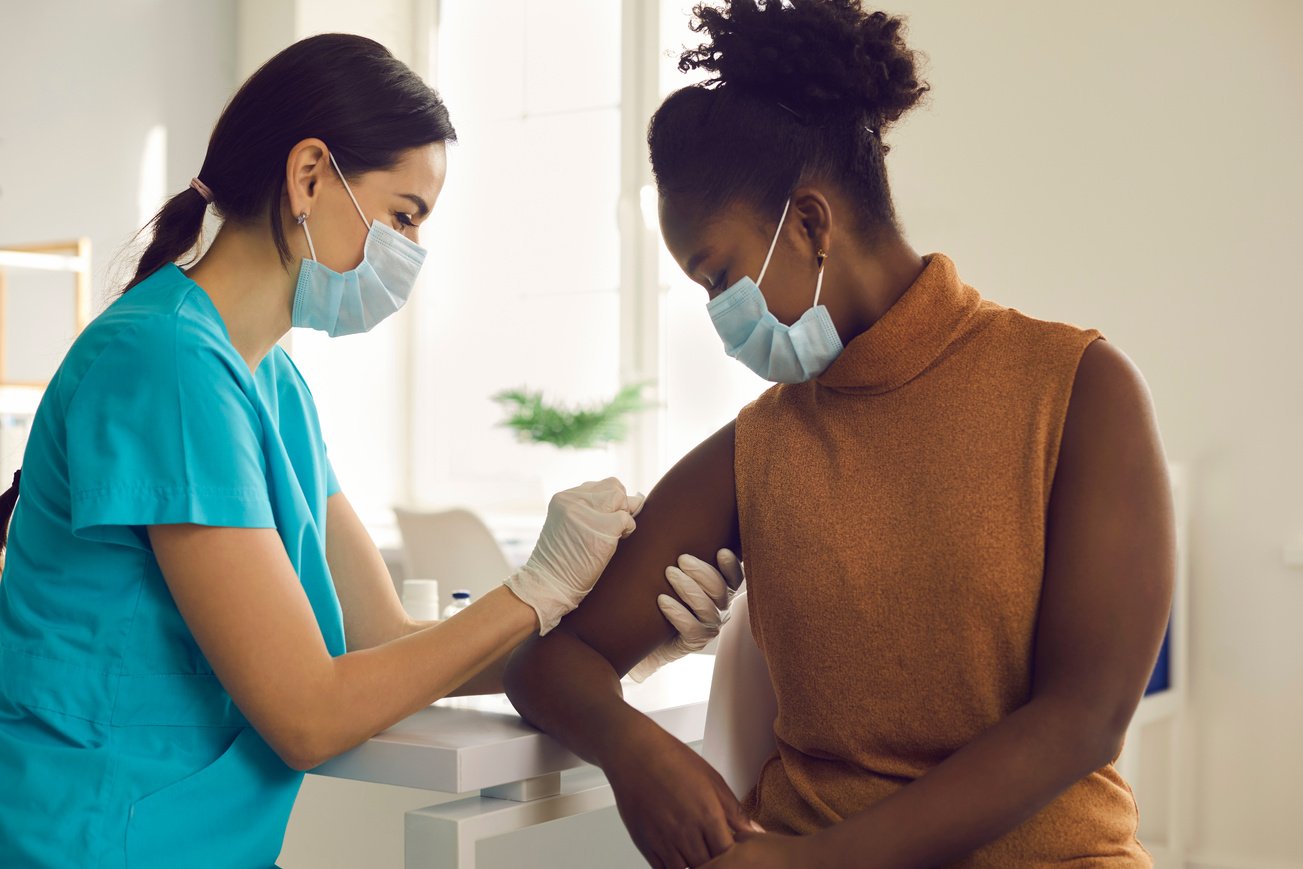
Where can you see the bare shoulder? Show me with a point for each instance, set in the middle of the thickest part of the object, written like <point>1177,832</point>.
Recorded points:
<point>1111,465</point>
<point>1107,376</point>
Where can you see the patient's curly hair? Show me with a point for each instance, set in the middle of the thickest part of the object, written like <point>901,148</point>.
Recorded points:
<point>802,90</point>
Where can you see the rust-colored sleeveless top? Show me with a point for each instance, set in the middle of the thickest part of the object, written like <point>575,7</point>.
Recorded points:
<point>893,523</point>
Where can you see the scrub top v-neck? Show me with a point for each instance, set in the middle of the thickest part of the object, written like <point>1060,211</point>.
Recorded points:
<point>118,745</point>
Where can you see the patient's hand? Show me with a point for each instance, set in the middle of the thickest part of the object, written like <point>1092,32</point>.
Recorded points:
<point>678,810</point>
<point>771,851</point>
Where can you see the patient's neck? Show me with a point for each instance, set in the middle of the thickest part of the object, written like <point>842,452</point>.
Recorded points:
<point>862,282</point>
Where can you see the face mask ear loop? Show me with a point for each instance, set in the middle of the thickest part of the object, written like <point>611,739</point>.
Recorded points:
<point>303,222</point>
<point>349,190</point>
<point>818,283</point>
<point>773,244</point>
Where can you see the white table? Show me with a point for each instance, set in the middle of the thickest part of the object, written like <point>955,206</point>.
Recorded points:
<point>469,744</point>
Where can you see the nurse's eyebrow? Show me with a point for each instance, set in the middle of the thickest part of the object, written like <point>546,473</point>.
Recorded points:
<point>423,209</point>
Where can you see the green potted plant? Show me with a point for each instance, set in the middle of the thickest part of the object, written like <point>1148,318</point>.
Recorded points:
<point>582,435</point>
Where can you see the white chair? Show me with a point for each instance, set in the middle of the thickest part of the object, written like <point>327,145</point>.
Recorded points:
<point>740,714</point>
<point>453,546</point>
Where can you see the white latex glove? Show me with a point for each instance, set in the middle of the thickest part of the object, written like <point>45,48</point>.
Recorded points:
<point>708,592</point>
<point>583,527</point>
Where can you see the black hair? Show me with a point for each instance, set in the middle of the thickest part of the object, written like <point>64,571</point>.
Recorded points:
<point>802,90</point>
<point>350,91</point>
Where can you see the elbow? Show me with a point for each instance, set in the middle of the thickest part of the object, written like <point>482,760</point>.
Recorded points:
<point>299,747</point>
<point>298,762</point>
<point>517,679</point>
<point>1099,748</point>
<point>305,719</point>
<point>1082,738</point>
<point>305,735</point>
<point>530,681</point>
<point>304,757</point>
<point>1110,734</point>
<point>1094,738</point>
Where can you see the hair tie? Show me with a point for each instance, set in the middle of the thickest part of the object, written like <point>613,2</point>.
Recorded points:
<point>206,193</point>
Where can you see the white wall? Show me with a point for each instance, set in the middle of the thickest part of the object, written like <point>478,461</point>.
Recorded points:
<point>1135,167</point>
<point>85,89</point>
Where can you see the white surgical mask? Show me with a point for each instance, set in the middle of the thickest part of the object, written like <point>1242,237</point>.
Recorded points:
<point>353,302</point>
<point>753,336</point>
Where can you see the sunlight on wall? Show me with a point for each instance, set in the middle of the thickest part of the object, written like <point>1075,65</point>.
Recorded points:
<point>151,191</point>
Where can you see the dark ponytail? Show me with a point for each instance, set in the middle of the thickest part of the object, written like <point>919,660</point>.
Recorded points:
<point>175,232</point>
<point>349,91</point>
<point>801,91</point>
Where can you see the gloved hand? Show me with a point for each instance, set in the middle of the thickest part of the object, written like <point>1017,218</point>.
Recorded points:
<point>583,527</point>
<point>709,593</point>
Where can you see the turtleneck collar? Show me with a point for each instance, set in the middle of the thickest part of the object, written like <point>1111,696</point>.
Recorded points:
<point>910,336</point>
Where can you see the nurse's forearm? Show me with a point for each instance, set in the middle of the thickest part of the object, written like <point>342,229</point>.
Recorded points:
<point>487,681</point>
<point>372,689</point>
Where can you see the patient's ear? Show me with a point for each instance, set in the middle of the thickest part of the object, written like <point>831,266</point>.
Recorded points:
<point>811,220</point>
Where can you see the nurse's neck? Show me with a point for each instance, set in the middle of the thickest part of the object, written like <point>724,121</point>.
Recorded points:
<point>251,288</point>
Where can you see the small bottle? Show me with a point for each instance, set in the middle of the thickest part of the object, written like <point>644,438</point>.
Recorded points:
<point>421,599</point>
<point>461,598</point>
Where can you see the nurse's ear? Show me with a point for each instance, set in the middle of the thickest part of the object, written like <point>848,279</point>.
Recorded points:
<point>305,169</point>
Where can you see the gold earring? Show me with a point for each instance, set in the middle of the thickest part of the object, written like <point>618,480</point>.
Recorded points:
<point>821,255</point>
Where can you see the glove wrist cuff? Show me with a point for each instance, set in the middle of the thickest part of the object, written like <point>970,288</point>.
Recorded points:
<point>541,595</point>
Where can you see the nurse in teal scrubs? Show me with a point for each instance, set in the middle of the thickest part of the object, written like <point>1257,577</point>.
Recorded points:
<point>191,614</point>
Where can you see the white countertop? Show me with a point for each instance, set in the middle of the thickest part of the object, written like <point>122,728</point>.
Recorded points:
<point>464,744</point>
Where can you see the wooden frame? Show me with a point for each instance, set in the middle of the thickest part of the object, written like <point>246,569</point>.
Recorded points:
<point>60,256</point>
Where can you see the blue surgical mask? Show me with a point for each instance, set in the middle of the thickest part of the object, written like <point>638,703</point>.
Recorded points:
<point>353,302</point>
<point>774,350</point>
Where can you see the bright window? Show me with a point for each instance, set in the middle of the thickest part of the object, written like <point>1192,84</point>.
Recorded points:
<point>523,285</point>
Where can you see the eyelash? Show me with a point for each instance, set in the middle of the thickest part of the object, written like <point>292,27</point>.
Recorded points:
<point>717,282</point>
<point>404,219</point>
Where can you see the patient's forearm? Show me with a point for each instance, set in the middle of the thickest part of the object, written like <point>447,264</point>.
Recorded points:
<point>977,795</point>
<point>561,685</point>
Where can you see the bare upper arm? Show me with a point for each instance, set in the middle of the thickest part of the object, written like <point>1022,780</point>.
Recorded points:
<point>693,509</point>
<point>239,595</point>
<point>1110,546</point>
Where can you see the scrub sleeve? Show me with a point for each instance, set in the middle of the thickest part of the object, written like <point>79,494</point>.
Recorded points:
<point>161,432</point>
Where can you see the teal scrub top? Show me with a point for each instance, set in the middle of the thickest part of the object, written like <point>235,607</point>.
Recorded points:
<point>118,745</point>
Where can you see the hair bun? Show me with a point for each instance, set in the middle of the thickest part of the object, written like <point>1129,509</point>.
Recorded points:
<point>818,58</point>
